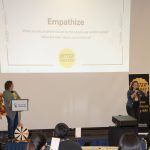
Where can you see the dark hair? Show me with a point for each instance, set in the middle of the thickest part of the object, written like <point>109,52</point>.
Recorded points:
<point>131,85</point>
<point>8,84</point>
<point>38,140</point>
<point>61,130</point>
<point>129,141</point>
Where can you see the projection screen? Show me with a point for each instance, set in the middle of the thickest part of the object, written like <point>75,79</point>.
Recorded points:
<point>64,36</point>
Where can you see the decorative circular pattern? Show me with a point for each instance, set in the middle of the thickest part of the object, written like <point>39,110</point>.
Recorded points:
<point>21,134</point>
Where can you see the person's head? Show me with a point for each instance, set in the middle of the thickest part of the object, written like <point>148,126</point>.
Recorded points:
<point>129,141</point>
<point>9,85</point>
<point>61,130</point>
<point>134,85</point>
<point>39,141</point>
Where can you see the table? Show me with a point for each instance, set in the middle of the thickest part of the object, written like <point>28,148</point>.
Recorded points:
<point>99,148</point>
<point>16,146</point>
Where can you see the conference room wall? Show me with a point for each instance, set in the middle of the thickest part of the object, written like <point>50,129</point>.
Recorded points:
<point>84,99</point>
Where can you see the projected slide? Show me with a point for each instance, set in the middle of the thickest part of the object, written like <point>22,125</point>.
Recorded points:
<point>64,35</point>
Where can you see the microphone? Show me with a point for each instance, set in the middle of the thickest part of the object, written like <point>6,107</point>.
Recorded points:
<point>139,93</point>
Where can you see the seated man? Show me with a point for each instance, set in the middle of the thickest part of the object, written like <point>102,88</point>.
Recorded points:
<point>61,131</point>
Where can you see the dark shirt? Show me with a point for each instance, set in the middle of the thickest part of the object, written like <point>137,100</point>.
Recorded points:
<point>131,101</point>
<point>69,145</point>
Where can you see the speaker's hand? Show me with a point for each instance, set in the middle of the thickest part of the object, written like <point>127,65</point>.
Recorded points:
<point>20,124</point>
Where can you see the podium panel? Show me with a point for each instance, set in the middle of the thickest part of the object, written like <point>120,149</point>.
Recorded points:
<point>20,105</point>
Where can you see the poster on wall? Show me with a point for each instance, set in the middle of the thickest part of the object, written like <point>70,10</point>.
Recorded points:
<point>143,81</point>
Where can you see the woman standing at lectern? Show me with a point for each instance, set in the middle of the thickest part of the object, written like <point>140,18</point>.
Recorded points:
<point>12,116</point>
<point>134,96</point>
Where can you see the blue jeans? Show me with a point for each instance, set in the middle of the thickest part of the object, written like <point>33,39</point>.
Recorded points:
<point>12,125</point>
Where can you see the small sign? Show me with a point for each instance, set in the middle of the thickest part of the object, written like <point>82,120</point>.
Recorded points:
<point>78,132</point>
<point>55,143</point>
<point>20,105</point>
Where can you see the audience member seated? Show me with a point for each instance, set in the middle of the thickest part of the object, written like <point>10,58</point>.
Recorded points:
<point>61,131</point>
<point>129,141</point>
<point>38,142</point>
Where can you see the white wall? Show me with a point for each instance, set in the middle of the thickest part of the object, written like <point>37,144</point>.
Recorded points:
<point>88,99</point>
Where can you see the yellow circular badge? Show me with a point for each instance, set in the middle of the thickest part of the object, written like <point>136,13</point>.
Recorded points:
<point>67,58</point>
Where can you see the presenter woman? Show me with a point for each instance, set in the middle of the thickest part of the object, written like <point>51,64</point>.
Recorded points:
<point>12,117</point>
<point>134,95</point>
